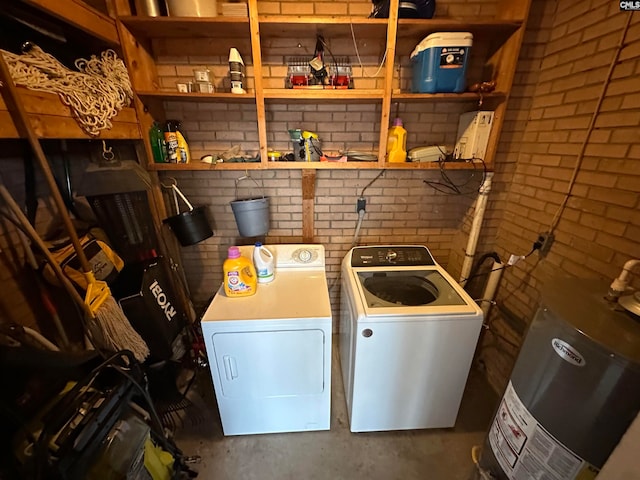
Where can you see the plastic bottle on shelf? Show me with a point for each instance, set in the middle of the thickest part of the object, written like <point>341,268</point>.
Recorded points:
<point>240,278</point>
<point>158,144</point>
<point>263,261</point>
<point>236,71</point>
<point>177,147</point>
<point>397,143</point>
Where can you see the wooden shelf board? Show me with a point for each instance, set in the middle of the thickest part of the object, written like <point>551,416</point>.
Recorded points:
<point>52,119</point>
<point>204,166</point>
<point>81,16</point>
<point>417,28</point>
<point>287,26</point>
<point>398,96</point>
<point>187,27</point>
<point>321,165</point>
<point>199,97</point>
<point>433,166</point>
<point>352,95</point>
<point>199,166</point>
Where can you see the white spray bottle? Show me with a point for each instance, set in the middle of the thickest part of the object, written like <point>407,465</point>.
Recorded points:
<point>236,71</point>
<point>263,261</point>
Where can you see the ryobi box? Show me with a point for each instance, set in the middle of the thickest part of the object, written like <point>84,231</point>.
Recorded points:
<point>439,63</point>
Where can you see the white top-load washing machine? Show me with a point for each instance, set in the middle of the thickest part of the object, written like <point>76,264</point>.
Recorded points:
<point>270,353</point>
<point>408,333</point>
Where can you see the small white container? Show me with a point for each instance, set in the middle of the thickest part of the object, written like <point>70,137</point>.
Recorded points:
<point>203,87</point>
<point>263,260</point>
<point>192,8</point>
<point>203,75</point>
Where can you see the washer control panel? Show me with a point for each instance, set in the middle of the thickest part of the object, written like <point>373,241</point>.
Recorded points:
<point>394,255</point>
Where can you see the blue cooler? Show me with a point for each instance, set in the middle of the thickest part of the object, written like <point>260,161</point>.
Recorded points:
<point>440,63</point>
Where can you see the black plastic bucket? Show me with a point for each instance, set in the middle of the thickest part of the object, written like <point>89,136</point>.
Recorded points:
<point>190,227</point>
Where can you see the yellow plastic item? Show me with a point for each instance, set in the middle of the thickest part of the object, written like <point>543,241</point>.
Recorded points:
<point>184,155</point>
<point>397,143</point>
<point>158,462</point>
<point>240,278</point>
<point>97,293</point>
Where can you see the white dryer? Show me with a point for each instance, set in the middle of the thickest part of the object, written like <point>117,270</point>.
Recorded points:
<point>270,353</point>
<point>408,333</point>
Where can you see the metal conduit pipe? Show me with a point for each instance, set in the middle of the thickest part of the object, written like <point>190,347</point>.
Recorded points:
<point>491,287</point>
<point>474,234</point>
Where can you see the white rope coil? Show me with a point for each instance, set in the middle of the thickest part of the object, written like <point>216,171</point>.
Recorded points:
<point>95,94</point>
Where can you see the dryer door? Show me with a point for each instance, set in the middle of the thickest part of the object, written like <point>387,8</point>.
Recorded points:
<point>270,363</point>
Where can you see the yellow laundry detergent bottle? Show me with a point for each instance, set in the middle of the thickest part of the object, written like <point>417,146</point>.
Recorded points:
<point>240,279</point>
<point>397,143</point>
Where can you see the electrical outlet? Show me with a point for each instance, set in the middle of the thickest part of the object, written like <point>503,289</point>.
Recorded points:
<point>545,240</point>
<point>361,204</point>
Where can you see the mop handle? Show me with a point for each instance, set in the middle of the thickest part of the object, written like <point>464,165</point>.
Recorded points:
<point>23,125</point>
<point>35,238</point>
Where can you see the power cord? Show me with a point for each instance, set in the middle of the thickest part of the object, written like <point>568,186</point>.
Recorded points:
<point>512,261</point>
<point>361,209</point>
<point>355,46</point>
<point>449,187</point>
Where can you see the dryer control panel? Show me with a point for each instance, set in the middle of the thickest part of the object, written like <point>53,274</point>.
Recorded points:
<point>394,255</point>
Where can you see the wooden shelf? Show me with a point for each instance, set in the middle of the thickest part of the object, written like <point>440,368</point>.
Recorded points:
<point>81,16</point>
<point>187,27</point>
<point>288,26</point>
<point>418,29</point>
<point>223,97</point>
<point>496,46</point>
<point>398,96</point>
<point>205,166</point>
<point>200,166</point>
<point>351,95</point>
<point>50,118</point>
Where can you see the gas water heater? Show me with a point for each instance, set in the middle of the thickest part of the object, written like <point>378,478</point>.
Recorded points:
<point>574,390</point>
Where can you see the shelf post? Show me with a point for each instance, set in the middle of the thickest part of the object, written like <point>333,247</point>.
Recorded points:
<point>392,29</point>
<point>254,26</point>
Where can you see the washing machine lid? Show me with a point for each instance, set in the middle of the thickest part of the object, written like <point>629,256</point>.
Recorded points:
<point>411,291</point>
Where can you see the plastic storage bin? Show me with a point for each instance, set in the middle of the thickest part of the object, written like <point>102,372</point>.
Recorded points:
<point>439,63</point>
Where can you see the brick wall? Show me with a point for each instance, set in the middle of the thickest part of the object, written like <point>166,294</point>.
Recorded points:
<point>565,59</point>
<point>401,209</point>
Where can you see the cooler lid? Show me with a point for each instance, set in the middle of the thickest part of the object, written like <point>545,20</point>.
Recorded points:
<point>444,39</point>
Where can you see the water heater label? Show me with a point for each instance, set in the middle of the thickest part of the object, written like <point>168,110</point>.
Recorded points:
<point>525,449</point>
<point>568,353</point>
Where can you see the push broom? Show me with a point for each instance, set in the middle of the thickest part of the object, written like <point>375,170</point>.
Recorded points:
<point>114,330</point>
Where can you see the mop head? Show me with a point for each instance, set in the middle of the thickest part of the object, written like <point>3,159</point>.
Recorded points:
<point>116,333</point>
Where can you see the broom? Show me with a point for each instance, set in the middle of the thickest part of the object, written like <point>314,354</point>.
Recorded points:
<point>115,331</point>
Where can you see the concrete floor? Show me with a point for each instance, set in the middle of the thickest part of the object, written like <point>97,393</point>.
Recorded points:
<point>441,454</point>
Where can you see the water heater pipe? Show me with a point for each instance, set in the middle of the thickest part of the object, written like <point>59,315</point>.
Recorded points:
<point>478,216</point>
<point>619,285</point>
<point>491,287</point>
